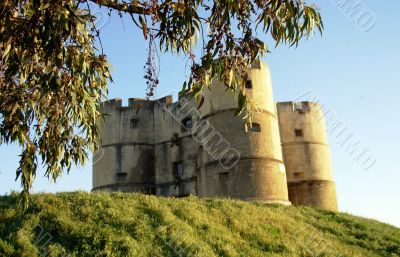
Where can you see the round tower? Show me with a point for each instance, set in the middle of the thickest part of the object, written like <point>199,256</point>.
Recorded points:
<point>125,161</point>
<point>236,161</point>
<point>306,155</point>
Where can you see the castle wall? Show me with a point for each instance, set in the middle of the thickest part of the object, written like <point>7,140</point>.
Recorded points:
<point>141,143</point>
<point>175,144</point>
<point>306,155</point>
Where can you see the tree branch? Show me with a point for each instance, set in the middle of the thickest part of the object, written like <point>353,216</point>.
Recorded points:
<point>133,8</point>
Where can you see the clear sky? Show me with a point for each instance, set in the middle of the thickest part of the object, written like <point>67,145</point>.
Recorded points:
<point>353,70</point>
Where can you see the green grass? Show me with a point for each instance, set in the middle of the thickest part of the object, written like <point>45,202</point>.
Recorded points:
<point>119,224</point>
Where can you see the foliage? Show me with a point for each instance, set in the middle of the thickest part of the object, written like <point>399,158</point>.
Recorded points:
<point>121,224</point>
<point>52,82</point>
<point>53,78</point>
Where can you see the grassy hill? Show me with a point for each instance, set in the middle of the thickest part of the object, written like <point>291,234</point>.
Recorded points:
<point>101,224</point>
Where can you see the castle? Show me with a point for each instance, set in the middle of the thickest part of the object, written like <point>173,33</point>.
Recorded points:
<point>171,148</point>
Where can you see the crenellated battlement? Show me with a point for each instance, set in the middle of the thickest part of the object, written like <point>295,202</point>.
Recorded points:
<point>300,106</point>
<point>112,103</point>
<point>116,103</point>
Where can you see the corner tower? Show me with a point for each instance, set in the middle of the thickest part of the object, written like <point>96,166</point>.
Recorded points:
<point>250,165</point>
<point>125,161</point>
<point>306,155</point>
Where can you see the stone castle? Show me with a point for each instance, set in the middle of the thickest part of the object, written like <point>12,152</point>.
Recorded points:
<point>177,149</point>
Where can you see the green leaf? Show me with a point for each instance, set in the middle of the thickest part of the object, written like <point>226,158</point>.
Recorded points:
<point>7,50</point>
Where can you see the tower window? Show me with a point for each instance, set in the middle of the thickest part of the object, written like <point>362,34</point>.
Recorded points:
<point>255,127</point>
<point>187,123</point>
<point>224,175</point>
<point>249,84</point>
<point>298,132</point>
<point>121,176</point>
<point>298,174</point>
<point>178,169</point>
<point>134,123</point>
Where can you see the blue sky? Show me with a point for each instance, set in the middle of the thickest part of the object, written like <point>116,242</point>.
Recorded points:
<point>353,73</point>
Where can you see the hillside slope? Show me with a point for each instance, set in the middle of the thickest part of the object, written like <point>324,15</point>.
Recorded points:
<point>101,224</point>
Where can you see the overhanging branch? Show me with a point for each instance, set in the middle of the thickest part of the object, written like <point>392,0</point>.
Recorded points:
<point>134,7</point>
